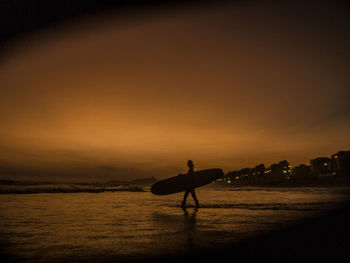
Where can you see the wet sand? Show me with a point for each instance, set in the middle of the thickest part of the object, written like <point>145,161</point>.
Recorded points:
<point>280,225</point>
<point>325,238</point>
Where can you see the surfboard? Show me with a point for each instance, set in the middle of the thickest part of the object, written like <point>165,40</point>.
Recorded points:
<point>182,182</point>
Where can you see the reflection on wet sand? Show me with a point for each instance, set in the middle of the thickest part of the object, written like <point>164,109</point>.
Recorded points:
<point>190,227</point>
<point>182,225</point>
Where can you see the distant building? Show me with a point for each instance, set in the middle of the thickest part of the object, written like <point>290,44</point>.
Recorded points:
<point>247,175</point>
<point>321,166</point>
<point>341,162</point>
<point>280,171</point>
<point>260,169</point>
<point>302,174</point>
<point>301,170</point>
<point>233,175</point>
<point>245,172</point>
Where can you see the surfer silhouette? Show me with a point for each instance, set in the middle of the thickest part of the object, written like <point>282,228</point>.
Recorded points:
<point>191,186</point>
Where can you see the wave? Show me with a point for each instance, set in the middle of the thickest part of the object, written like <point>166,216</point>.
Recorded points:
<point>68,189</point>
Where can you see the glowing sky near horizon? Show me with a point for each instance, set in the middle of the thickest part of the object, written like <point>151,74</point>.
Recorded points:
<point>230,86</point>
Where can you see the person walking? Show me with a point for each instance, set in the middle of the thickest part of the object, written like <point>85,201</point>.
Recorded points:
<point>190,189</point>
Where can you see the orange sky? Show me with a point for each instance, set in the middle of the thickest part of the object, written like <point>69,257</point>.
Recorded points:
<point>230,86</point>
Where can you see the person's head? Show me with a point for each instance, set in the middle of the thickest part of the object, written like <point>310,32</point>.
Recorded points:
<point>190,164</point>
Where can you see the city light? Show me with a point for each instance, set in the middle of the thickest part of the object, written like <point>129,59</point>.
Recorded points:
<point>280,172</point>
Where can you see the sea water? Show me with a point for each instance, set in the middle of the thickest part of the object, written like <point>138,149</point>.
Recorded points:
<point>68,227</point>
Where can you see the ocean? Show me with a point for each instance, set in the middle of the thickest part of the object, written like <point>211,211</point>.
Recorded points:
<point>131,225</point>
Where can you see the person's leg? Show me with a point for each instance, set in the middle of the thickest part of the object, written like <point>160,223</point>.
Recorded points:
<point>183,204</point>
<point>193,193</point>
